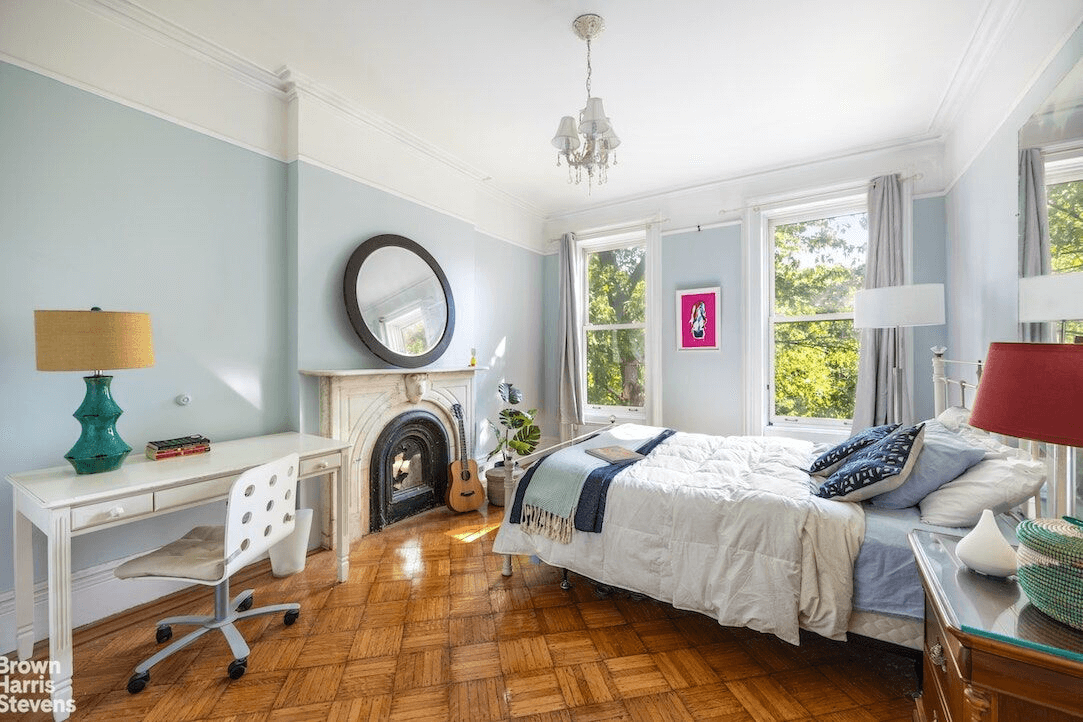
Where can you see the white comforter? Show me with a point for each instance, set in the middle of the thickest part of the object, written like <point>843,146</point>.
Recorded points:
<point>726,526</point>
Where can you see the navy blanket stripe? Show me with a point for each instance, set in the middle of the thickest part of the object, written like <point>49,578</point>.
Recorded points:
<point>590,511</point>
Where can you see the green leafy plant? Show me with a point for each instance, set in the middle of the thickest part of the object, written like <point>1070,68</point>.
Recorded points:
<point>516,433</point>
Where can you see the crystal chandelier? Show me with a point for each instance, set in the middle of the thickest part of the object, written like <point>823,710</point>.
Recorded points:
<point>599,141</point>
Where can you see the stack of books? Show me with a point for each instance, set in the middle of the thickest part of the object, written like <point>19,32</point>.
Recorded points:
<point>181,446</point>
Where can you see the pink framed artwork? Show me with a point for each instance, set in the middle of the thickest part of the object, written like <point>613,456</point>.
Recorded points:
<point>698,310</point>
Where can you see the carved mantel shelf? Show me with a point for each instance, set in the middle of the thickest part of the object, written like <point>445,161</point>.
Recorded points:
<point>403,372</point>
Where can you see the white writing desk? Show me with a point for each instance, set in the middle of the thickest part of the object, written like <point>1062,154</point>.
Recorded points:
<point>64,504</point>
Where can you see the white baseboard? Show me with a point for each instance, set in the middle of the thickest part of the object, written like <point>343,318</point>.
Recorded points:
<point>96,594</point>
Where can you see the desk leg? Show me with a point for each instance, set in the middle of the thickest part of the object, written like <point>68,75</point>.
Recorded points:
<point>60,612</point>
<point>24,584</point>
<point>342,518</point>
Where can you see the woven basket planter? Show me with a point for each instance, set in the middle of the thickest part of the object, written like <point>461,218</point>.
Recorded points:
<point>1051,567</point>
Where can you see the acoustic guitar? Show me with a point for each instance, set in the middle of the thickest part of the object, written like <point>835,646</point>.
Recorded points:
<point>464,492</point>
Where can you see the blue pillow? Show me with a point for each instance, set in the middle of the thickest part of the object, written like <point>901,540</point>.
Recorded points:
<point>830,460</point>
<point>877,468</point>
<point>944,456</point>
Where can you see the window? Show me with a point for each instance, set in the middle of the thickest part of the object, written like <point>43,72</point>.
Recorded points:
<point>818,263</point>
<point>1064,191</point>
<point>615,329</point>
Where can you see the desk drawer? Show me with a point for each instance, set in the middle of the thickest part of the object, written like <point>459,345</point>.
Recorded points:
<point>110,511</point>
<point>319,464</point>
<point>193,493</point>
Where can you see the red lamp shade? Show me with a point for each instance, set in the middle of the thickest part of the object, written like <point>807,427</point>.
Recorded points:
<point>1032,391</point>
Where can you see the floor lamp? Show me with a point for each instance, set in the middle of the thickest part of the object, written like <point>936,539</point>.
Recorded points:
<point>1055,298</point>
<point>899,307</point>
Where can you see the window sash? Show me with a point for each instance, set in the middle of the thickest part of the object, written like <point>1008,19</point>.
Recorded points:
<point>848,206</point>
<point>601,413</point>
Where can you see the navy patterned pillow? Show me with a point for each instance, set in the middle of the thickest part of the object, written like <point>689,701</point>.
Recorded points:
<point>877,468</point>
<point>831,459</point>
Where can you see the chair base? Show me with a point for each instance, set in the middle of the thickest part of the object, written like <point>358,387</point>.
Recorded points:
<point>226,612</point>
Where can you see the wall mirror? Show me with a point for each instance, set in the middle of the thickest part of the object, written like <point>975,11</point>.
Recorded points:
<point>399,301</point>
<point>1056,131</point>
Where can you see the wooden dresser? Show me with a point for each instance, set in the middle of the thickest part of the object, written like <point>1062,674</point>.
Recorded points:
<point>991,656</point>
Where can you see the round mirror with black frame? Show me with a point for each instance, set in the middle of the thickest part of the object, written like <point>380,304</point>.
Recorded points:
<point>399,301</point>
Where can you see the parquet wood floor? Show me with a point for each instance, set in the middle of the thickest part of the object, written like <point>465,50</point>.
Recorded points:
<point>426,628</point>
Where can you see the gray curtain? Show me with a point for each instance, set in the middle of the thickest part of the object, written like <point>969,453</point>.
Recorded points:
<point>569,388</point>
<point>1035,257</point>
<point>875,402</point>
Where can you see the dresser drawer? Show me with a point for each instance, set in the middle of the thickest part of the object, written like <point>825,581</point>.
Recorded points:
<point>319,464</point>
<point>193,493</point>
<point>110,511</point>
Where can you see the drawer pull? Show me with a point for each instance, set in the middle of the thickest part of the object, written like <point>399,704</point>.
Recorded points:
<point>322,465</point>
<point>936,656</point>
<point>116,512</point>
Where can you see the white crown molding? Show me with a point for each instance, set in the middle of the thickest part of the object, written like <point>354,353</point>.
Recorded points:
<point>155,27</point>
<point>990,32</point>
<point>294,82</point>
<point>284,85</point>
<point>904,144</point>
<point>142,108</point>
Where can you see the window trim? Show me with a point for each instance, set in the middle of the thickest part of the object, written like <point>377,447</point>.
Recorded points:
<point>598,413</point>
<point>843,204</point>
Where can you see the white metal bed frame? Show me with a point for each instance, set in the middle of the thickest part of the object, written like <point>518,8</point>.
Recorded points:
<point>902,631</point>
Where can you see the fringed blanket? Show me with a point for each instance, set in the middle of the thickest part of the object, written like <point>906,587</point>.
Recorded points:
<point>726,526</point>
<point>570,491</point>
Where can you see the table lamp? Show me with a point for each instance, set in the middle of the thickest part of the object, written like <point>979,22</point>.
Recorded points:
<point>897,307</point>
<point>94,340</point>
<point>1035,391</point>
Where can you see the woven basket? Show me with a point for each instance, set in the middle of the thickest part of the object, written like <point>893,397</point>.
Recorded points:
<point>1051,567</point>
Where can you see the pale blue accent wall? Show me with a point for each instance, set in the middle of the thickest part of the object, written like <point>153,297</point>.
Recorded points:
<point>983,227</point>
<point>930,266</point>
<point>496,286</point>
<point>104,205</point>
<point>702,390</point>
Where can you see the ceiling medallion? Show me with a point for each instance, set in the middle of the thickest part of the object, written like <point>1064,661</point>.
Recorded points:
<point>599,141</point>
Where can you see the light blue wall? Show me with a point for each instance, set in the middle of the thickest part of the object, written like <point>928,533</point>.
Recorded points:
<point>983,230</point>
<point>104,205</point>
<point>930,266</point>
<point>238,258</point>
<point>702,390</point>
<point>497,289</point>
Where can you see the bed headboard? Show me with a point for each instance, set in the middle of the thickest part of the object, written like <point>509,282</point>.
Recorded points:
<point>1058,488</point>
<point>943,384</point>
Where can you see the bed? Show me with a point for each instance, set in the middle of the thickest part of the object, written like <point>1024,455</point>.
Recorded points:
<point>732,527</point>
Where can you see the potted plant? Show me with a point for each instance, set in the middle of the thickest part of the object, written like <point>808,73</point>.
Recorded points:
<point>516,435</point>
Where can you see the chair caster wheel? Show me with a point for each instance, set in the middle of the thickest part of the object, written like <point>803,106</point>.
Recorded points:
<point>245,604</point>
<point>237,668</point>
<point>290,617</point>
<point>163,633</point>
<point>138,682</point>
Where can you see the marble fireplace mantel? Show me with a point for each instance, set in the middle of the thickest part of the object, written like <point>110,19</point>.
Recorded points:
<point>356,405</point>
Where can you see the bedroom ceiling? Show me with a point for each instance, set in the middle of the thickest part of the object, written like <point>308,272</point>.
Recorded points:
<point>700,90</point>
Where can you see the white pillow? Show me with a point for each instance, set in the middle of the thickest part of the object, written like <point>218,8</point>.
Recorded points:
<point>994,483</point>
<point>956,419</point>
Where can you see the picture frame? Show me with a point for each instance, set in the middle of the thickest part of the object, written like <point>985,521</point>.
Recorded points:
<point>698,313</point>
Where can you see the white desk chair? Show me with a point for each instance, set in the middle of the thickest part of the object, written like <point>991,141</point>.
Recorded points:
<point>259,513</point>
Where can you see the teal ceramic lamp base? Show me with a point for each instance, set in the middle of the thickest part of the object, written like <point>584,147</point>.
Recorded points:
<point>99,447</point>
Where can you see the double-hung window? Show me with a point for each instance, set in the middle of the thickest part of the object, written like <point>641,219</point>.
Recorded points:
<point>1064,195</point>
<point>817,264</point>
<point>615,328</point>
